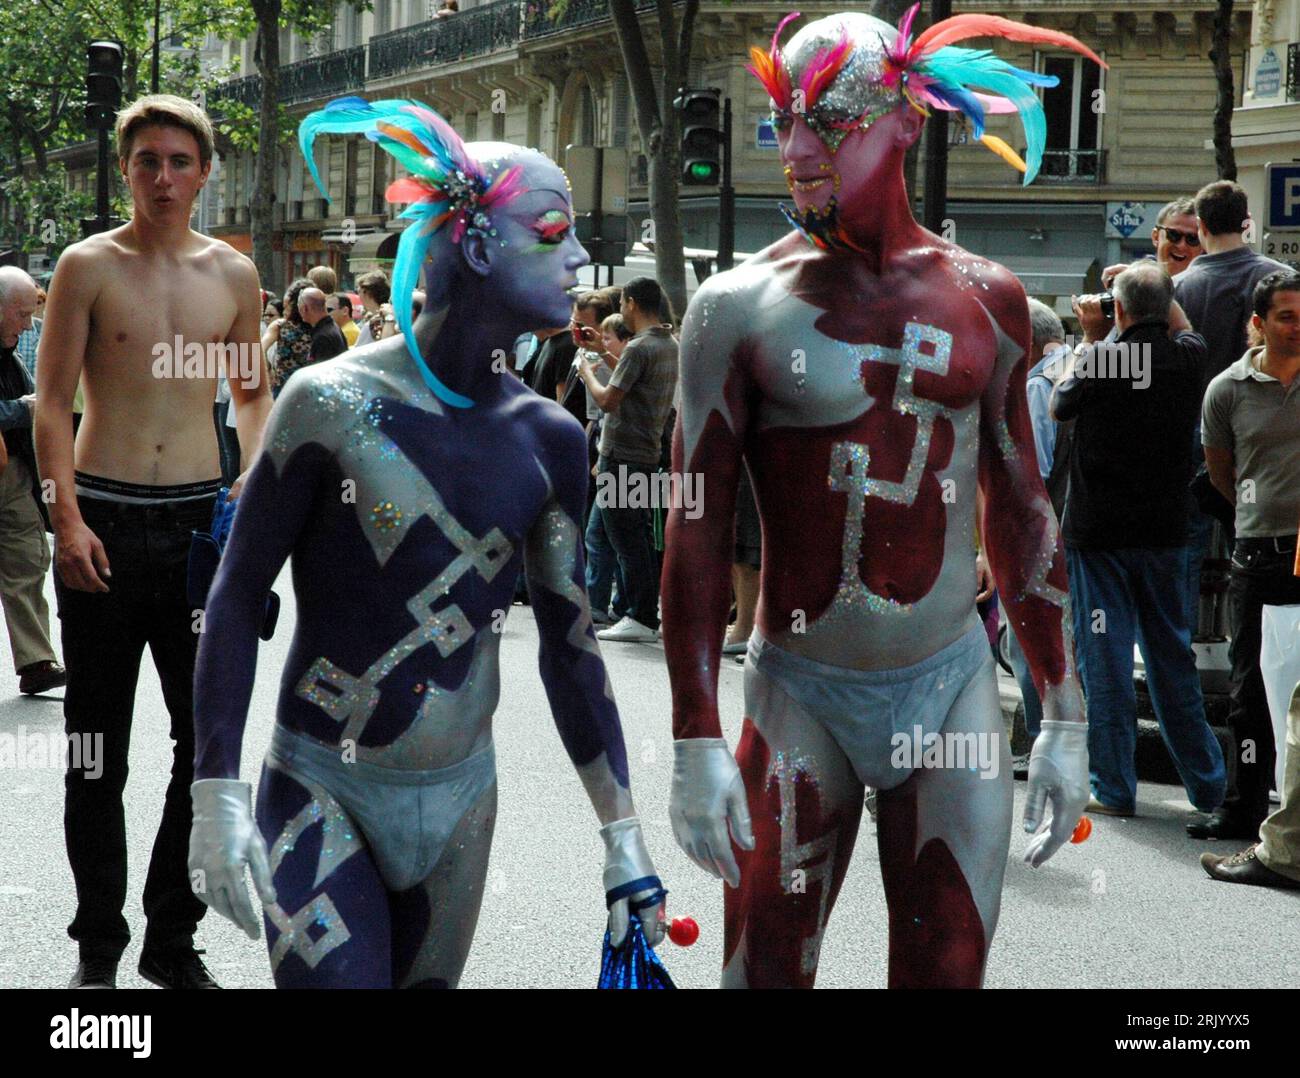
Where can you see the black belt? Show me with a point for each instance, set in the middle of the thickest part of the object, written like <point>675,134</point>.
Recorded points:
<point>1279,544</point>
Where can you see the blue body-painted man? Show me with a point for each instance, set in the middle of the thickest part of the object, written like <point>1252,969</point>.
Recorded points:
<point>408,480</point>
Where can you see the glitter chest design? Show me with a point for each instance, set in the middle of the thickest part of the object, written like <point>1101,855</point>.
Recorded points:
<point>350,700</point>
<point>850,461</point>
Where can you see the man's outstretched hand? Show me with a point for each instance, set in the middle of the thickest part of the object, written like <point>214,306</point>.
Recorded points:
<point>708,800</point>
<point>1058,776</point>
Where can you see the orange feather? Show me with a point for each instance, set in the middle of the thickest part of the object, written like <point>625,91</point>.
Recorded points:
<point>400,134</point>
<point>961,27</point>
<point>1004,151</point>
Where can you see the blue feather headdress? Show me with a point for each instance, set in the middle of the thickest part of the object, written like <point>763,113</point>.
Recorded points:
<point>446,187</point>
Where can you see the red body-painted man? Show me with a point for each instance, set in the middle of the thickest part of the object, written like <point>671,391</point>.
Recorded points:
<point>872,380</point>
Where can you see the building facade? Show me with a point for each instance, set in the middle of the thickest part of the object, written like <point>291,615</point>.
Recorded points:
<point>1120,142</point>
<point>1266,129</point>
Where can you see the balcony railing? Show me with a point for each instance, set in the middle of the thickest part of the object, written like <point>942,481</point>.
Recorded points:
<point>246,90</point>
<point>335,73</point>
<point>1293,71</point>
<point>577,13</point>
<point>1073,166</point>
<point>477,32</point>
<point>339,72</point>
<point>485,29</point>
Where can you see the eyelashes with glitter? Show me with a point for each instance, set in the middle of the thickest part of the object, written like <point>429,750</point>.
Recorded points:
<point>552,227</point>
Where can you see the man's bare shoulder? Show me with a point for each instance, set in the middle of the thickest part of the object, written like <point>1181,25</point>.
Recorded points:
<point>999,289</point>
<point>237,268</point>
<point>88,259</point>
<point>741,292</point>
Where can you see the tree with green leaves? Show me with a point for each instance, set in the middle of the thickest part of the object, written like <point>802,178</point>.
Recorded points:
<point>43,68</point>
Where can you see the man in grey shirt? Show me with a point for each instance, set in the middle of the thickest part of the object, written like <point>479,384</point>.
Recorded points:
<point>1216,292</point>
<point>1250,426</point>
<point>636,404</point>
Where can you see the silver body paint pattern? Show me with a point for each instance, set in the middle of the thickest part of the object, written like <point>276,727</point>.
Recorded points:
<point>805,379</point>
<point>390,496</point>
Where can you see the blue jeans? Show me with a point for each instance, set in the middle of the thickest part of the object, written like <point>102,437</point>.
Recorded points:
<point>628,531</point>
<point>603,574</point>
<point>1123,595</point>
<point>1028,691</point>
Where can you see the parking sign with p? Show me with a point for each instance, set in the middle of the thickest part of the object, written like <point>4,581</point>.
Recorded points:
<point>1282,182</point>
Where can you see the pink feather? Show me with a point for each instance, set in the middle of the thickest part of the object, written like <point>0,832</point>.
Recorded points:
<point>455,145</point>
<point>509,184</point>
<point>775,50</point>
<point>823,68</point>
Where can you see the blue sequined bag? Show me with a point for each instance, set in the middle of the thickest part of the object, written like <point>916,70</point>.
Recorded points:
<point>205,556</point>
<point>634,964</point>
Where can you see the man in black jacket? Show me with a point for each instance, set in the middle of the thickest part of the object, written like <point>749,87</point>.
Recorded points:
<point>24,551</point>
<point>1135,403</point>
<point>327,340</point>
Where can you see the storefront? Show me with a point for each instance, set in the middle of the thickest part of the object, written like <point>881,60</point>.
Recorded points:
<point>304,250</point>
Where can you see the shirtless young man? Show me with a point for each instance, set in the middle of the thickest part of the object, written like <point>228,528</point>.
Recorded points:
<point>871,380</point>
<point>410,479</point>
<point>144,475</point>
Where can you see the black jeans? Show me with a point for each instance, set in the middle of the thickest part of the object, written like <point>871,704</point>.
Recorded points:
<point>104,636</point>
<point>1261,575</point>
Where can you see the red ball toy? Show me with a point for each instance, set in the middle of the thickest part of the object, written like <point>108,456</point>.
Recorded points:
<point>683,931</point>
<point>1081,830</point>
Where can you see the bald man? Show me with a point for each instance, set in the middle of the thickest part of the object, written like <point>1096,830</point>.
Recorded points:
<point>327,340</point>
<point>24,551</point>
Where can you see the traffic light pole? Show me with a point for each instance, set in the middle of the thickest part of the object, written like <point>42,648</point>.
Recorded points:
<point>103,97</point>
<point>726,198</point>
<point>936,148</point>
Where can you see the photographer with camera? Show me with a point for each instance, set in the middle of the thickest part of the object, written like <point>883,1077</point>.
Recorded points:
<point>1135,403</point>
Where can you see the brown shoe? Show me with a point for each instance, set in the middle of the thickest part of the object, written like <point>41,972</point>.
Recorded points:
<point>1245,867</point>
<point>41,677</point>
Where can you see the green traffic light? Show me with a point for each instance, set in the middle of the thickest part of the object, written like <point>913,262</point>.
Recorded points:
<point>703,171</point>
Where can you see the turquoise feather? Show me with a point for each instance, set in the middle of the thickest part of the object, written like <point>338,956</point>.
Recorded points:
<point>960,68</point>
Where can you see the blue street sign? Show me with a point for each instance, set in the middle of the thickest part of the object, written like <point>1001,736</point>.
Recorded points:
<point>765,136</point>
<point>1282,183</point>
<point>1126,218</point>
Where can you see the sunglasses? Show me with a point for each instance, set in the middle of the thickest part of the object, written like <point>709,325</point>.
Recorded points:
<point>1175,236</point>
<point>330,310</point>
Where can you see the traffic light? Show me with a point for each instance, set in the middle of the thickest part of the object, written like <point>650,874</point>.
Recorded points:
<point>103,84</point>
<point>701,137</point>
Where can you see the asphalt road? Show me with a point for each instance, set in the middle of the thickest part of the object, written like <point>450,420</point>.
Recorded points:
<point>1130,908</point>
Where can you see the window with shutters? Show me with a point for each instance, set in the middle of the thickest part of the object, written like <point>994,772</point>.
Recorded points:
<point>622,96</point>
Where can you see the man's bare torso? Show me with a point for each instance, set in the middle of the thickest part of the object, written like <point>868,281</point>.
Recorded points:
<point>138,427</point>
<point>863,441</point>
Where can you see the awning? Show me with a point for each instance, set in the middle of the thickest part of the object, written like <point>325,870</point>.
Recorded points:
<point>1047,275</point>
<point>367,244</point>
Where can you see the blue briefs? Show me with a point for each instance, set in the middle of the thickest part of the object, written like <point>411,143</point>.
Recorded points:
<point>406,817</point>
<point>863,710</point>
